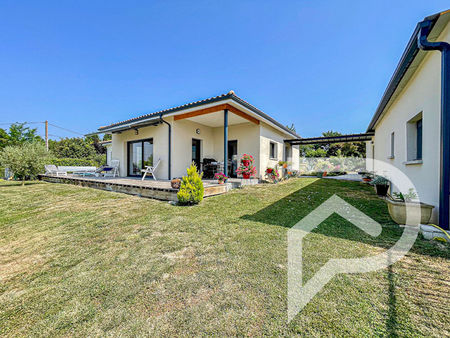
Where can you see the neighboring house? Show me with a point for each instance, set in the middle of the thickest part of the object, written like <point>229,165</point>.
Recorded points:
<point>407,123</point>
<point>221,127</point>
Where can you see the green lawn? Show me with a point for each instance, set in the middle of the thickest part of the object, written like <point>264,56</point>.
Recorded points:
<point>78,261</point>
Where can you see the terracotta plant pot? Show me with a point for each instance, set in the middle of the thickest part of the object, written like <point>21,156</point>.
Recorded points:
<point>324,174</point>
<point>221,182</point>
<point>175,183</point>
<point>246,176</point>
<point>419,211</point>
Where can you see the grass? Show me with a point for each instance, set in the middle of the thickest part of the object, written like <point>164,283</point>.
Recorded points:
<point>77,261</point>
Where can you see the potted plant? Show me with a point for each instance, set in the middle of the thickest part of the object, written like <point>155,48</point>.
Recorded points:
<point>381,185</point>
<point>221,177</point>
<point>283,164</point>
<point>175,183</point>
<point>246,172</point>
<point>246,167</point>
<point>247,159</point>
<point>403,202</point>
<point>272,174</point>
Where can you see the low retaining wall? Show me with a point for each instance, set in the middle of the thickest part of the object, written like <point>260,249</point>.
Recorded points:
<point>131,187</point>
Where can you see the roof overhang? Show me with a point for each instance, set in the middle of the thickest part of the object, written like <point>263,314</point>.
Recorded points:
<point>235,104</point>
<point>410,61</point>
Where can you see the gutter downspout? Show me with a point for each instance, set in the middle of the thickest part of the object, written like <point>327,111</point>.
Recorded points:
<point>444,48</point>
<point>170,145</point>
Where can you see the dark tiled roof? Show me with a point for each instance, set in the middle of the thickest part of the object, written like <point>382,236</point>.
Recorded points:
<point>170,110</point>
<point>222,97</point>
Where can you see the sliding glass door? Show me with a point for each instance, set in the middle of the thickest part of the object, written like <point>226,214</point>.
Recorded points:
<point>140,154</point>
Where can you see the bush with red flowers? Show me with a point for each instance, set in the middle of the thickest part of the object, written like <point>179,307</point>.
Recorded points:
<point>272,174</point>
<point>221,177</point>
<point>246,167</point>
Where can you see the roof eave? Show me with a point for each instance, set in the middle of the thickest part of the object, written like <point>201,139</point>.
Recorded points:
<point>138,122</point>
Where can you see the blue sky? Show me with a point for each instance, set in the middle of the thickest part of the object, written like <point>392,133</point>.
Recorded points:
<point>318,64</point>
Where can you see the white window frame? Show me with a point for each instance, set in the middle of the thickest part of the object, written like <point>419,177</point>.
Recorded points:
<point>275,150</point>
<point>392,146</point>
<point>412,141</point>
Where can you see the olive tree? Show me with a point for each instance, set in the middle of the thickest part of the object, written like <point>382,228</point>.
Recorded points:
<point>25,160</point>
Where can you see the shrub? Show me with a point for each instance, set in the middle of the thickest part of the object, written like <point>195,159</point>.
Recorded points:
<point>26,161</point>
<point>323,165</point>
<point>191,189</point>
<point>100,159</point>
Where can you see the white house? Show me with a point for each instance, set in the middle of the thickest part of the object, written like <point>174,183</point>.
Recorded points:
<point>412,121</point>
<point>211,130</point>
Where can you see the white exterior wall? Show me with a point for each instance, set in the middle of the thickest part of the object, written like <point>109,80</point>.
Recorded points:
<point>421,95</point>
<point>269,134</point>
<point>108,153</point>
<point>251,139</point>
<point>183,131</point>
<point>160,137</point>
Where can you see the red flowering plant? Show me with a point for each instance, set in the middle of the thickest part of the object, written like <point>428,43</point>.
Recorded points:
<point>246,167</point>
<point>272,174</point>
<point>247,157</point>
<point>221,177</point>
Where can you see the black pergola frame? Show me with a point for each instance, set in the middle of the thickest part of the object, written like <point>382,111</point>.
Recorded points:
<point>332,139</point>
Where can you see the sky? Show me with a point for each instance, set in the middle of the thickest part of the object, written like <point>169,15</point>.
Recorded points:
<point>322,65</point>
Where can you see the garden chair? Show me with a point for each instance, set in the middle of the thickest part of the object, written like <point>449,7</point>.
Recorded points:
<point>109,170</point>
<point>51,169</point>
<point>150,170</point>
<point>115,166</point>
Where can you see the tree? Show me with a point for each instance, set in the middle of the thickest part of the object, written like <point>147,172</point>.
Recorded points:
<point>25,160</point>
<point>75,147</point>
<point>315,152</point>
<point>191,189</point>
<point>3,138</point>
<point>346,149</point>
<point>94,140</point>
<point>291,127</point>
<point>18,134</point>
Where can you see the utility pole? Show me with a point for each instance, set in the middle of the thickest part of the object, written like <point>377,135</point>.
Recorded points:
<point>46,134</point>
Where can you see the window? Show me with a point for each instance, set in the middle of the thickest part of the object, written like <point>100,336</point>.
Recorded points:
<point>419,140</point>
<point>273,150</point>
<point>392,145</point>
<point>414,140</point>
<point>140,154</point>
